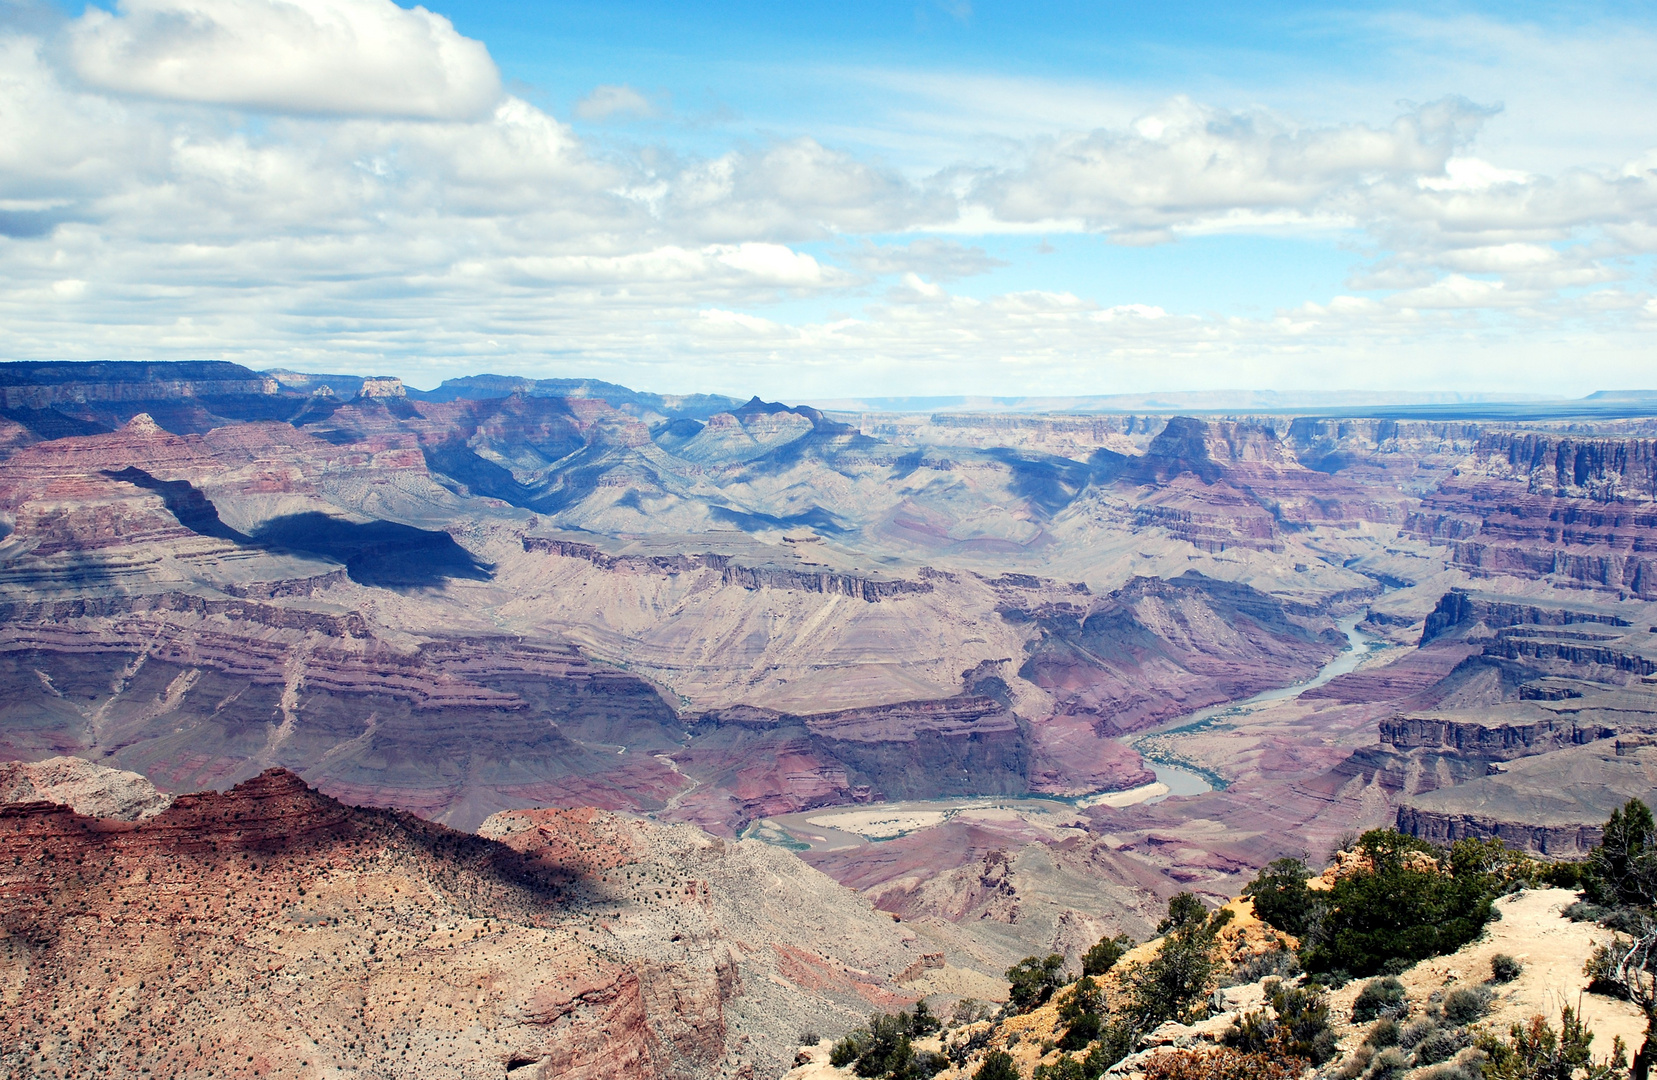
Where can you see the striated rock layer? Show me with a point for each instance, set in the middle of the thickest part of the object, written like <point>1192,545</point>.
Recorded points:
<point>1579,512</point>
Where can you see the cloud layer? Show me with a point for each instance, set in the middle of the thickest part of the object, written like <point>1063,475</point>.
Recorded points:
<point>389,207</point>
<point>310,56</point>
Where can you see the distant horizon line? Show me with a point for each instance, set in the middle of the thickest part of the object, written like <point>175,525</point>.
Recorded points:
<point>1355,403</point>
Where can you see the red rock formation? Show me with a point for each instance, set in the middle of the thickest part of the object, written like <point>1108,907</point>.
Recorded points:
<point>1156,649</point>
<point>1224,484</point>
<point>269,928</point>
<point>1579,512</point>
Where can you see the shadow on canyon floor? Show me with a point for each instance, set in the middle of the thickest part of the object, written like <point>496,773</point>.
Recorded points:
<point>386,554</point>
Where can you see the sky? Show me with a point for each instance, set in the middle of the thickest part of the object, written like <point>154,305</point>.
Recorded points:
<point>858,199</point>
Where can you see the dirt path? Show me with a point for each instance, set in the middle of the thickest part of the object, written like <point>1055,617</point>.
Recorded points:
<point>1552,948</point>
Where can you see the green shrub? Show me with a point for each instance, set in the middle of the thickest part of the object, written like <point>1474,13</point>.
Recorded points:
<point>1441,1045</point>
<point>998,1065</point>
<point>1468,1068</point>
<point>1379,997</point>
<point>1298,1026</point>
<point>884,1048</point>
<point>845,1051</point>
<point>1411,1034</point>
<point>1080,1012</point>
<point>1281,898</point>
<point>1603,977</point>
<point>1622,870</point>
<point>1389,1064</point>
<point>1117,1039</point>
<point>1465,1004</point>
<point>1222,1064</point>
<point>1104,955</point>
<point>1184,911</point>
<point>1064,1067</point>
<point>1383,1033</point>
<point>1173,984</point>
<point>1082,1031</point>
<point>1353,1065</point>
<point>1033,981</point>
<point>1400,909</point>
<point>922,1022</point>
<point>1280,963</point>
<point>1504,968</point>
<point>1535,1051</point>
<point>1507,869</point>
<point>1561,875</point>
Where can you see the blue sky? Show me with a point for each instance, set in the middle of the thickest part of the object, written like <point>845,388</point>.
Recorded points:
<point>839,200</point>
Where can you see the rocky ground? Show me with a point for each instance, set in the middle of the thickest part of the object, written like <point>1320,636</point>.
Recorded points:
<point>1531,927</point>
<point>271,931</point>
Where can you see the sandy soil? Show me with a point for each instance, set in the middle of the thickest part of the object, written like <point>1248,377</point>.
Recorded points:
<point>1552,948</point>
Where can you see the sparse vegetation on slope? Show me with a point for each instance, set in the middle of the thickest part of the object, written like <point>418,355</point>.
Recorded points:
<point>1401,906</point>
<point>1150,1013</point>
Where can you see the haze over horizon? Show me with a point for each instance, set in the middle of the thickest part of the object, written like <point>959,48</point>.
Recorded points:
<point>944,198</point>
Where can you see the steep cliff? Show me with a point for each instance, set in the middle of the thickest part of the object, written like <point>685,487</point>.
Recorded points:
<point>1579,512</point>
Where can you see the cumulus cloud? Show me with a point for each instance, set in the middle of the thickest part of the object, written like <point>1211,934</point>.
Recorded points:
<point>798,189</point>
<point>57,144</point>
<point>441,229</point>
<point>367,57</point>
<point>1185,162</point>
<point>611,100</point>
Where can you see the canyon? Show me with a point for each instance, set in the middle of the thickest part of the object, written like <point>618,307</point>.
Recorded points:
<point>485,668</point>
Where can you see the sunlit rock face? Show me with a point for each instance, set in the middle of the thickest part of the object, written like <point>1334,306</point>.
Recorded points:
<point>273,923</point>
<point>1580,512</point>
<point>383,594</point>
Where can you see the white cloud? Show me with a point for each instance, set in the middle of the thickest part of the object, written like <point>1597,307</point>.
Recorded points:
<point>1185,162</point>
<point>718,322</point>
<point>1471,174</point>
<point>794,190</point>
<point>736,271</point>
<point>773,263</point>
<point>367,57</point>
<point>614,100</point>
<point>57,144</point>
<point>1455,291</point>
<point>1130,311</point>
<point>351,236</point>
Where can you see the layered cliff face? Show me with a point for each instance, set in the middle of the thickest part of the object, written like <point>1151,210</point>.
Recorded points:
<point>323,594</point>
<point>53,400</point>
<point>1555,804</point>
<point>1575,511</point>
<point>1513,695</point>
<point>235,606</point>
<point>270,929</point>
<point>1224,486</point>
<point>1063,435</point>
<point>1108,660</point>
